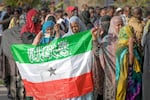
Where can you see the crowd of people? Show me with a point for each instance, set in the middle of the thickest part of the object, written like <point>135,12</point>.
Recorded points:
<point>120,46</point>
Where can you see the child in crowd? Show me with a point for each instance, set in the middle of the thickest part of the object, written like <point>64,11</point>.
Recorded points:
<point>50,31</point>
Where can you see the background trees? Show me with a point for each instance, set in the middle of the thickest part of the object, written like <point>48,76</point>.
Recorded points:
<point>64,3</point>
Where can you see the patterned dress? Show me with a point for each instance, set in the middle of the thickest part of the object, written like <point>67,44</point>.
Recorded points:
<point>106,55</point>
<point>128,77</point>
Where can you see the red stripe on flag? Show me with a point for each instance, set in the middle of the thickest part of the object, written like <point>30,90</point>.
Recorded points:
<point>60,89</point>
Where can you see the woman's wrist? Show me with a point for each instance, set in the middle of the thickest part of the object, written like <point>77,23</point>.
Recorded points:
<point>57,35</point>
<point>94,38</point>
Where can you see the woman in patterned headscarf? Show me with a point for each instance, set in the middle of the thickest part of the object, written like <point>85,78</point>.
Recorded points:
<point>128,66</point>
<point>104,51</point>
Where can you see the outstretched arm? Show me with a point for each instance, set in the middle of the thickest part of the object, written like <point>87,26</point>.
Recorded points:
<point>37,38</point>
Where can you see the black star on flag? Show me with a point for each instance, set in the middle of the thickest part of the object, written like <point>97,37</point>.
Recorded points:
<point>52,71</point>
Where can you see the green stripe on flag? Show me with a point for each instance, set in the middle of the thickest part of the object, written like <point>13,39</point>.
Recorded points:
<point>57,49</point>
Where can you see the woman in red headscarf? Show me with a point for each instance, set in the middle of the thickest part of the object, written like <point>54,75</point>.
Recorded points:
<point>32,26</point>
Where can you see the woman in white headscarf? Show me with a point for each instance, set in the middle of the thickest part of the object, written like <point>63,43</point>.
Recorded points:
<point>75,26</point>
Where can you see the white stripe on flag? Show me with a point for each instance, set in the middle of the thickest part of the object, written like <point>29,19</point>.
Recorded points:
<point>55,70</point>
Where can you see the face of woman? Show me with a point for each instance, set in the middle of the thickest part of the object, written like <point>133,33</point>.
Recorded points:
<point>75,27</point>
<point>36,19</point>
<point>16,14</point>
<point>49,30</point>
<point>118,26</point>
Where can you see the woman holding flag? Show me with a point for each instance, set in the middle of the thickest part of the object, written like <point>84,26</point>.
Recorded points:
<point>50,31</point>
<point>48,28</point>
<point>77,26</point>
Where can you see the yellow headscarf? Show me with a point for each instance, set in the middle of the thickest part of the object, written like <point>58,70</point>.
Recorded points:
<point>124,35</point>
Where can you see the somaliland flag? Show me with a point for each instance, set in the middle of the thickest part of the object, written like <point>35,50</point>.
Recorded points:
<point>59,70</point>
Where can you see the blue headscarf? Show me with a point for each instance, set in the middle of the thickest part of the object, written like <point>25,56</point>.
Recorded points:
<point>46,25</point>
<point>44,39</point>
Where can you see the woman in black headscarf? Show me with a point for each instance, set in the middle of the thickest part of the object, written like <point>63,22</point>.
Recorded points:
<point>104,22</point>
<point>85,17</point>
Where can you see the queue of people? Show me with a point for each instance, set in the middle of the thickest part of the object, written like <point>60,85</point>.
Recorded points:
<point>120,46</point>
